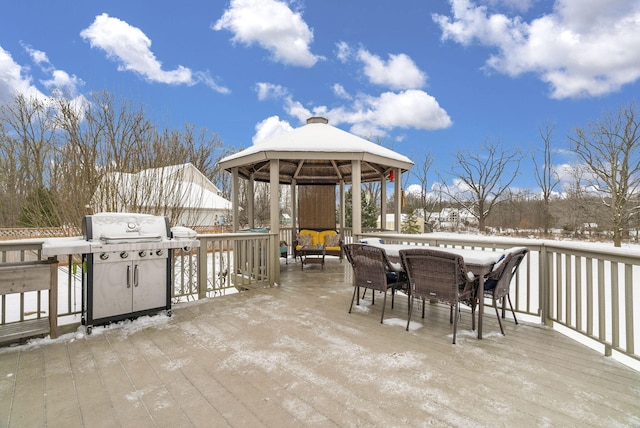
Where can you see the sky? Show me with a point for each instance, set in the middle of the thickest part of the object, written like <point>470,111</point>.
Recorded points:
<point>419,77</point>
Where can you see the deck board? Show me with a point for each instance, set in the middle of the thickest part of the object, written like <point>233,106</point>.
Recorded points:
<point>292,356</point>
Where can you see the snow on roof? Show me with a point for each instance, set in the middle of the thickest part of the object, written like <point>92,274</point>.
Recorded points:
<point>319,138</point>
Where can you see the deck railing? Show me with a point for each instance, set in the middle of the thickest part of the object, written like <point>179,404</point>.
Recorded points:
<point>592,292</point>
<point>589,293</point>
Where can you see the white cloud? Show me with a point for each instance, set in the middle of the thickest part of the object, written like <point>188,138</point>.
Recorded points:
<point>131,47</point>
<point>61,80</point>
<point>414,189</point>
<point>412,108</point>
<point>399,72</point>
<point>272,25</point>
<point>270,127</point>
<point>582,48</point>
<point>270,90</point>
<point>14,79</point>
<point>372,116</point>
<point>205,78</point>
<point>340,92</point>
<point>297,110</point>
<point>344,51</point>
<point>37,56</point>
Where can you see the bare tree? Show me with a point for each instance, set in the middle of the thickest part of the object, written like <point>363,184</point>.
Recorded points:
<point>421,173</point>
<point>484,178</point>
<point>55,153</point>
<point>610,148</point>
<point>27,140</point>
<point>545,174</point>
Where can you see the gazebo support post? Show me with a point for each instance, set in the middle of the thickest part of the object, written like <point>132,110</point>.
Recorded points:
<point>383,202</point>
<point>235,197</point>
<point>251,200</point>
<point>342,209</point>
<point>398,199</point>
<point>274,215</point>
<point>356,197</point>
<point>294,211</point>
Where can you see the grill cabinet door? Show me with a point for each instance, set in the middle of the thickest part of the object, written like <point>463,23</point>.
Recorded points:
<point>112,289</point>
<point>150,284</point>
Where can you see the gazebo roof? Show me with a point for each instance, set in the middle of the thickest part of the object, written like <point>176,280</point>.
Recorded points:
<point>316,153</point>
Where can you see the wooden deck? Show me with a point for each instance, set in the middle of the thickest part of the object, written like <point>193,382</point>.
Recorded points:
<point>292,356</point>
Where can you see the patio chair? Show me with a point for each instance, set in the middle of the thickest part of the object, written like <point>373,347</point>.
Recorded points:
<point>439,276</point>
<point>372,269</point>
<point>498,281</point>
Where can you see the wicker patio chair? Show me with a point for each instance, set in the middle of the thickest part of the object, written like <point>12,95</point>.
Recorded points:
<point>373,270</point>
<point>439,276</point>
<point>498,281</point>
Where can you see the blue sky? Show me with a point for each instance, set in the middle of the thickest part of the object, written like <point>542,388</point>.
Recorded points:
<point>417,76</point>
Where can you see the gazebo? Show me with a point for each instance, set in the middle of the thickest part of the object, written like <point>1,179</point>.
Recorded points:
<point>313,159</point>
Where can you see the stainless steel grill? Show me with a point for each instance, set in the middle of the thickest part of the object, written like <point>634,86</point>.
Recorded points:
<point>128,265</point>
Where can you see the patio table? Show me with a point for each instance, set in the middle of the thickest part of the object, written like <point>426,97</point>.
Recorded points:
<point>312,254</point>
<point>479,262</point>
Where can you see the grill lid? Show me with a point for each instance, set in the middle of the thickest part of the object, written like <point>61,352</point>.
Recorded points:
<point>104,232</point>
<point>119,228</point>
<point>129,239</point>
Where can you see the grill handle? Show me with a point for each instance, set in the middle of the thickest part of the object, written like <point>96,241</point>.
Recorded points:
<point>128,276</point>
<point>135,276</point>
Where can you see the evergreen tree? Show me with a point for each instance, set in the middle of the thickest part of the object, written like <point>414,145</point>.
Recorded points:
<point>411,225</point>
<point>369,211</point>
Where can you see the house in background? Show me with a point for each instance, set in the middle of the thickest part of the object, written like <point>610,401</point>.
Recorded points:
<point>180,192</point>
<point>452,218</point>
<point>390,222</point>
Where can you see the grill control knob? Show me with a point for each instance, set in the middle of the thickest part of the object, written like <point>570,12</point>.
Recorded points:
<point>142,253</point>
<point>104,256</point>
<point>124,255</point>
<point>159,252</point>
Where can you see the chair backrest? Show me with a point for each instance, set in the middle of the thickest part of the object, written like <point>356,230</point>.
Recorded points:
<point>435,274</point>
<point>370,265</point>
<point>505,272</point>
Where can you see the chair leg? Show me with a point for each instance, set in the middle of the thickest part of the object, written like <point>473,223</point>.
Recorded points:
<point>495,306</point>
<point>393,294</point>
<point>512,311</point>
<point>356,292</point>
<point>411,298</point>
<point>423,302</point>
<point>455,326</point>
<point>473,317</point>
<point>384,303</point>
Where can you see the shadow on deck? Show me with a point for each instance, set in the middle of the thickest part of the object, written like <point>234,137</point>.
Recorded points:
<point>291,356</point>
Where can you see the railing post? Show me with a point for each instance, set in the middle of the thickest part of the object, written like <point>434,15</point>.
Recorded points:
<point>53,297</point>
<point>628,309</point>
<point>274,276</point>
<point>202,268</point>
<point>544,291</point>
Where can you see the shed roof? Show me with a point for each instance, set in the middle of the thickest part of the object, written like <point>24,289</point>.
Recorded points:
<point>316,153</point>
